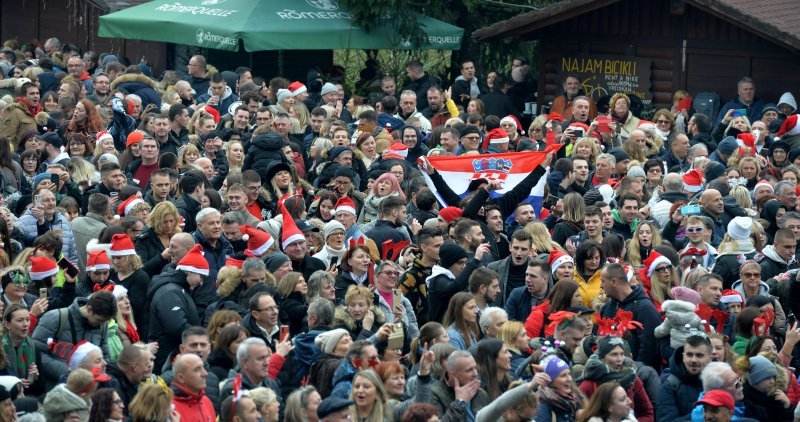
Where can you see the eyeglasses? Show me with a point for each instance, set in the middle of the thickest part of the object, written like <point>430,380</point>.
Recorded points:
<point>664,269</point>
<point>695,229</point>
<point>536,129</point>
<point>755,275</point>
<point>254,188</point>
<point>471,138</point>
<point>663,122</point>
<point>341,182</point>
<point>390,273</point>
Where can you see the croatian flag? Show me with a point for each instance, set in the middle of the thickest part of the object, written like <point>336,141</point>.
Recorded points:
<point>510,167</point>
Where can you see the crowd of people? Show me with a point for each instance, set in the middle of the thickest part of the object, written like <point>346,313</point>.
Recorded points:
<point>213,245</point>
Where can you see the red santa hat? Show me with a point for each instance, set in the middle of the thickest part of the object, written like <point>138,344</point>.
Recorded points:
<point>194,262</point>
<point>233,262</point>
<point>646,125</point>
<point>789,127</point>
<point>127,205</point>
<point>513,119</point>
<point>290,231</point>
<point>97,260</point>
<point>555,116</point>
<point>397,150</point>
<point>103,135</point>
<point>495,136</point>
<point>558,258</point>
<point>693,180</point>
<point>121,245</point>
<point>731,296</point>
<point>628,272</point>
<point>746,140</point>
<point>42,267</point>
<point>449,214</point>
<point>257,241</point>
<point>765,184</point>
<point>583,126</point>
<point>345,204</point>
<point>79,354</point>
<point>654,260</point>
<point>297,88</point>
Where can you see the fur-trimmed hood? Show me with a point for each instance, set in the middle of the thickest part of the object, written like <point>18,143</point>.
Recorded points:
<point>343,318</point>
<point>230,284</point>
<point>134,77</point>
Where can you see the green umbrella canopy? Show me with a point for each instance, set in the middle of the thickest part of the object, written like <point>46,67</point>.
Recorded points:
<point>264,25</point>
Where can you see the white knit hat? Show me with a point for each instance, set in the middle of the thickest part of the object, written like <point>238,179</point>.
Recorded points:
<point>328,340</point>
<point>740,228</point>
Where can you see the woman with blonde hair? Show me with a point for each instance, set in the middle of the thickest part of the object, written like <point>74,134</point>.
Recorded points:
<point>475,106</point>
<point>153,403</point>
<point>188,155</point>
<point>366,148</point>
<point>152,244</point>
<point>359,315</point>
<point>129,273</point>
<point>267,403</point>
<point>82,172</point>
<point>586,148</point>
<point>235,154</point>
<point>645,237</point>
<point>731,126</point>
<point>301,405</point>
<point>516,340</point>
<point>571,222</point>
<point>542,242</point>
<point>634,148</point>
<point>721,350</point>
<point>750,168</point>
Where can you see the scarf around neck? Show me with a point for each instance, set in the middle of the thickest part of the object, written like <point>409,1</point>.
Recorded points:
<point>19,357</point>
<point>32,110</point>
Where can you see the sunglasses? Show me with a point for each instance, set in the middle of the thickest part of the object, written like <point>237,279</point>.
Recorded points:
<point>664,269</point>
<point>695,229</point>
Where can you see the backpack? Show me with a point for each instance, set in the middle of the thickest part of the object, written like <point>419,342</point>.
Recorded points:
<point>707,103</point>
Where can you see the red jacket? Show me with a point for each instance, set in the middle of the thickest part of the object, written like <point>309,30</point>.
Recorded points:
<point>191,406</point>
<point>536,323</point>
<point>642,407</point>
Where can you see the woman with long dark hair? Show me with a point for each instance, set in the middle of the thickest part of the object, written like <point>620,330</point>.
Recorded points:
<point>589,261</point>
<point>494,362</point>
<point>106,406</point>
<point>461,320</point>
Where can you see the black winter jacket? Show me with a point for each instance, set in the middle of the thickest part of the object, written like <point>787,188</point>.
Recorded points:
<point>678,392</point>
<point>149,249</point>
<point>188,208</point>
<point>172,311</point>
<point>442,288</point>
<point>383,231</point>
<point>642,341</point>
<point>262,151</point>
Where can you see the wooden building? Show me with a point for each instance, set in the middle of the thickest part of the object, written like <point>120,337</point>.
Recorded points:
<point>74,22</point>
<point>659,46</point>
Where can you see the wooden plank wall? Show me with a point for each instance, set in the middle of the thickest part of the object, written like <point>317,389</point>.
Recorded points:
<point>718,53</point>
<point>73,22</point>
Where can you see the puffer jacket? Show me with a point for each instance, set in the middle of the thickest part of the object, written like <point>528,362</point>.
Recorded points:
<point>679,323</point>
<point>149,249</point>
<point>262,151</point>
<point>536,323</point>
<point>369,212</point>
<point>172,310</point>
<point>16,120</point>
<point>30,230</point>
<point>53,367</point>
<point>643,344</point>
<point>193,406</point>
<point>343,319</point>
<point>678,392</point>
<point>321,373</point>
<point>139,84</point>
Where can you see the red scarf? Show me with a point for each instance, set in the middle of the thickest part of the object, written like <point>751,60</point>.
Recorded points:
<point>32,111</point>
<point>131,332</point>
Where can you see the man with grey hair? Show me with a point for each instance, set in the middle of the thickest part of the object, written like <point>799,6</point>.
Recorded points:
<point>253,358</point>
<point>720,376</point>
<point>673,192</point>
<point>786,193</point>
<point>490,321</point>
<point>605,166</point>
<point>320,319</point>
<point>408,109</point>
<point>459,393</point>
<point>52,45</point>
<point>137,105</point>
<point>216,250</point>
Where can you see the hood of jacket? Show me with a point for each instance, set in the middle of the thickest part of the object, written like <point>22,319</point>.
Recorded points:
<point>763,289</point>
<point>673,197</point>
<point>769,252</point>
<point>228,93</point>
<point>184,395</point>
<point>269,141</point>
<point>678,369</point>
<point>305,350</point>
<point>438,270</point>
<point>342,317</point>
<point>168,276</point>
<point>344,372</point>
<point>638,293</point>
<point>133,78</point>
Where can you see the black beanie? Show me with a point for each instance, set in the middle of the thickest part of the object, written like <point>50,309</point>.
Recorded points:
<point>450,253</point>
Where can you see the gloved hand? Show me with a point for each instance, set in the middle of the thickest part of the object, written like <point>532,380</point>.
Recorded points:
<point>22,81</point>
